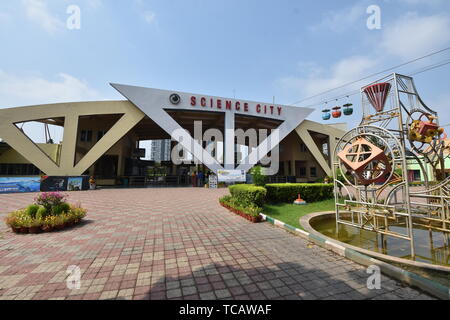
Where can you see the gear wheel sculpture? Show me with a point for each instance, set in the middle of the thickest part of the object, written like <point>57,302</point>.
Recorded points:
<point>372,164</point>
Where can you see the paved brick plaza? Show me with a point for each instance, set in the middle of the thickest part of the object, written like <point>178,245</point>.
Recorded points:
<point>174,244</point>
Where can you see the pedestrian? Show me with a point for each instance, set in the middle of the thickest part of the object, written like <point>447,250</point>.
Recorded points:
<point>92,183</point>
<point>201,179</point>
<point>194,179</point>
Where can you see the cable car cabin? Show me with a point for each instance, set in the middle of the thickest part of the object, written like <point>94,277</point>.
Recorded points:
<point>348,110</point>
<point>337,113</point>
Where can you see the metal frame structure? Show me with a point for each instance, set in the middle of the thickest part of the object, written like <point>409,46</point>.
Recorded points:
<point>387,202</point>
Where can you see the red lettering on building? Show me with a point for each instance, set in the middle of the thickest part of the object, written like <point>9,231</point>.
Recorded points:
<point>234,105</point>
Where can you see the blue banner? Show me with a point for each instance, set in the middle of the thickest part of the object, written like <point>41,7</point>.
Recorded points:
<point>20,184</point>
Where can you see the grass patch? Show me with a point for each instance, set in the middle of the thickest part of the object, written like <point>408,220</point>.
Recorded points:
<point>290,213</point>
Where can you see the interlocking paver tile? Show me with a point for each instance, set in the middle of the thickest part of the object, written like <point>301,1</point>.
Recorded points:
<point>174,244</point>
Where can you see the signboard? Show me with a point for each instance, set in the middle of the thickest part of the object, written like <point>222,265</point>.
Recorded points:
<point>49,184</point>
<point>231,175</point>
<point>75,184</point>
<point>212,181</point>
<point>20,184</point>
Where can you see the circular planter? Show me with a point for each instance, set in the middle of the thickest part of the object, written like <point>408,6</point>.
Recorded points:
<point>23,230</point>
<point>47,228</point>
<point>60,226</point>
<point>34,230</point>
<point>15,230</point>
<point>37,230</point>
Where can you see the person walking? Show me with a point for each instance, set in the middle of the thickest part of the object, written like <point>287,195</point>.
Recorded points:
<point>194,179</point>
<point>201,179</point>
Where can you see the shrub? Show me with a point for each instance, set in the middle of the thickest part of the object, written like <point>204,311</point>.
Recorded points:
<point>251,210</point>
<point>248,195</point>
<point>31,210</point>
<point>50,199</point>
<point>61,208</point>
<point>288,192</point>
<point>42,213</point>
<point>259,179</point>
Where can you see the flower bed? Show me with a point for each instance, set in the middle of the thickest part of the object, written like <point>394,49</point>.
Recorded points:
<point>50,212</point>
<point>251,213</point>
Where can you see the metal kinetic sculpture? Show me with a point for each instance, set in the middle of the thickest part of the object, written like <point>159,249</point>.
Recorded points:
<point>371,174</point>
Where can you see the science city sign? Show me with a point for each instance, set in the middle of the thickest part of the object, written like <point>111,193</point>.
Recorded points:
<point>155,102</point>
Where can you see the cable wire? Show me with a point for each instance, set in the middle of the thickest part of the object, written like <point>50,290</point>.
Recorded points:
<point>372,75</point>
<point>355,92</point>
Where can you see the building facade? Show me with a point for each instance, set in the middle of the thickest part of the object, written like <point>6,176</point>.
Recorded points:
<point>160,150</point>
<point>102,138</point>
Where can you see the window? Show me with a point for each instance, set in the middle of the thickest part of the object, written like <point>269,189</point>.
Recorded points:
<point>325,149</point>
<point>302,172</point>
<point>313,172</point>
<point>417,176</point>
<point>303,148</point>
<point>86,135</point>
<point>300,169</point>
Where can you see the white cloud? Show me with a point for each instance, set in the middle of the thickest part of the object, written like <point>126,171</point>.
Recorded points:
<point>320,79</point>
<point>37,11</point>
<point>410,36</point>
<point>413,35</point>
<point>31,90</point>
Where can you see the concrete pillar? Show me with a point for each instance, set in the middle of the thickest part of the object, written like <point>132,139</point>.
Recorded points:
<point>229,141</point>
<point>293,173</point>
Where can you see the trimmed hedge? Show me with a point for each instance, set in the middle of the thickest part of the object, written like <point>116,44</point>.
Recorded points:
<point>248,195</point>
<point>231,203</point>
<point>288,192</point>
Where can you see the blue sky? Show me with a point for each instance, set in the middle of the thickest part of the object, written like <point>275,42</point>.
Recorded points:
<point>252,49</point>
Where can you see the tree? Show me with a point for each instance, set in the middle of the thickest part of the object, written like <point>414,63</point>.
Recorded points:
<point>259,179</point>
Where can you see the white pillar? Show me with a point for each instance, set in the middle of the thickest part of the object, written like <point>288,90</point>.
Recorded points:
<point>229,141</point>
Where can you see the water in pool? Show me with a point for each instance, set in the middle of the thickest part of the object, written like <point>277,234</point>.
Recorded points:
<point>431,247</point>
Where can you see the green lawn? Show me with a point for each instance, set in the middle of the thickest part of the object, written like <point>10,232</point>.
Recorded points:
<point>290,213</point>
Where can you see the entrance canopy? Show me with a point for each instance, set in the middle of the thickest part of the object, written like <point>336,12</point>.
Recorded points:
<point>160,106</point>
